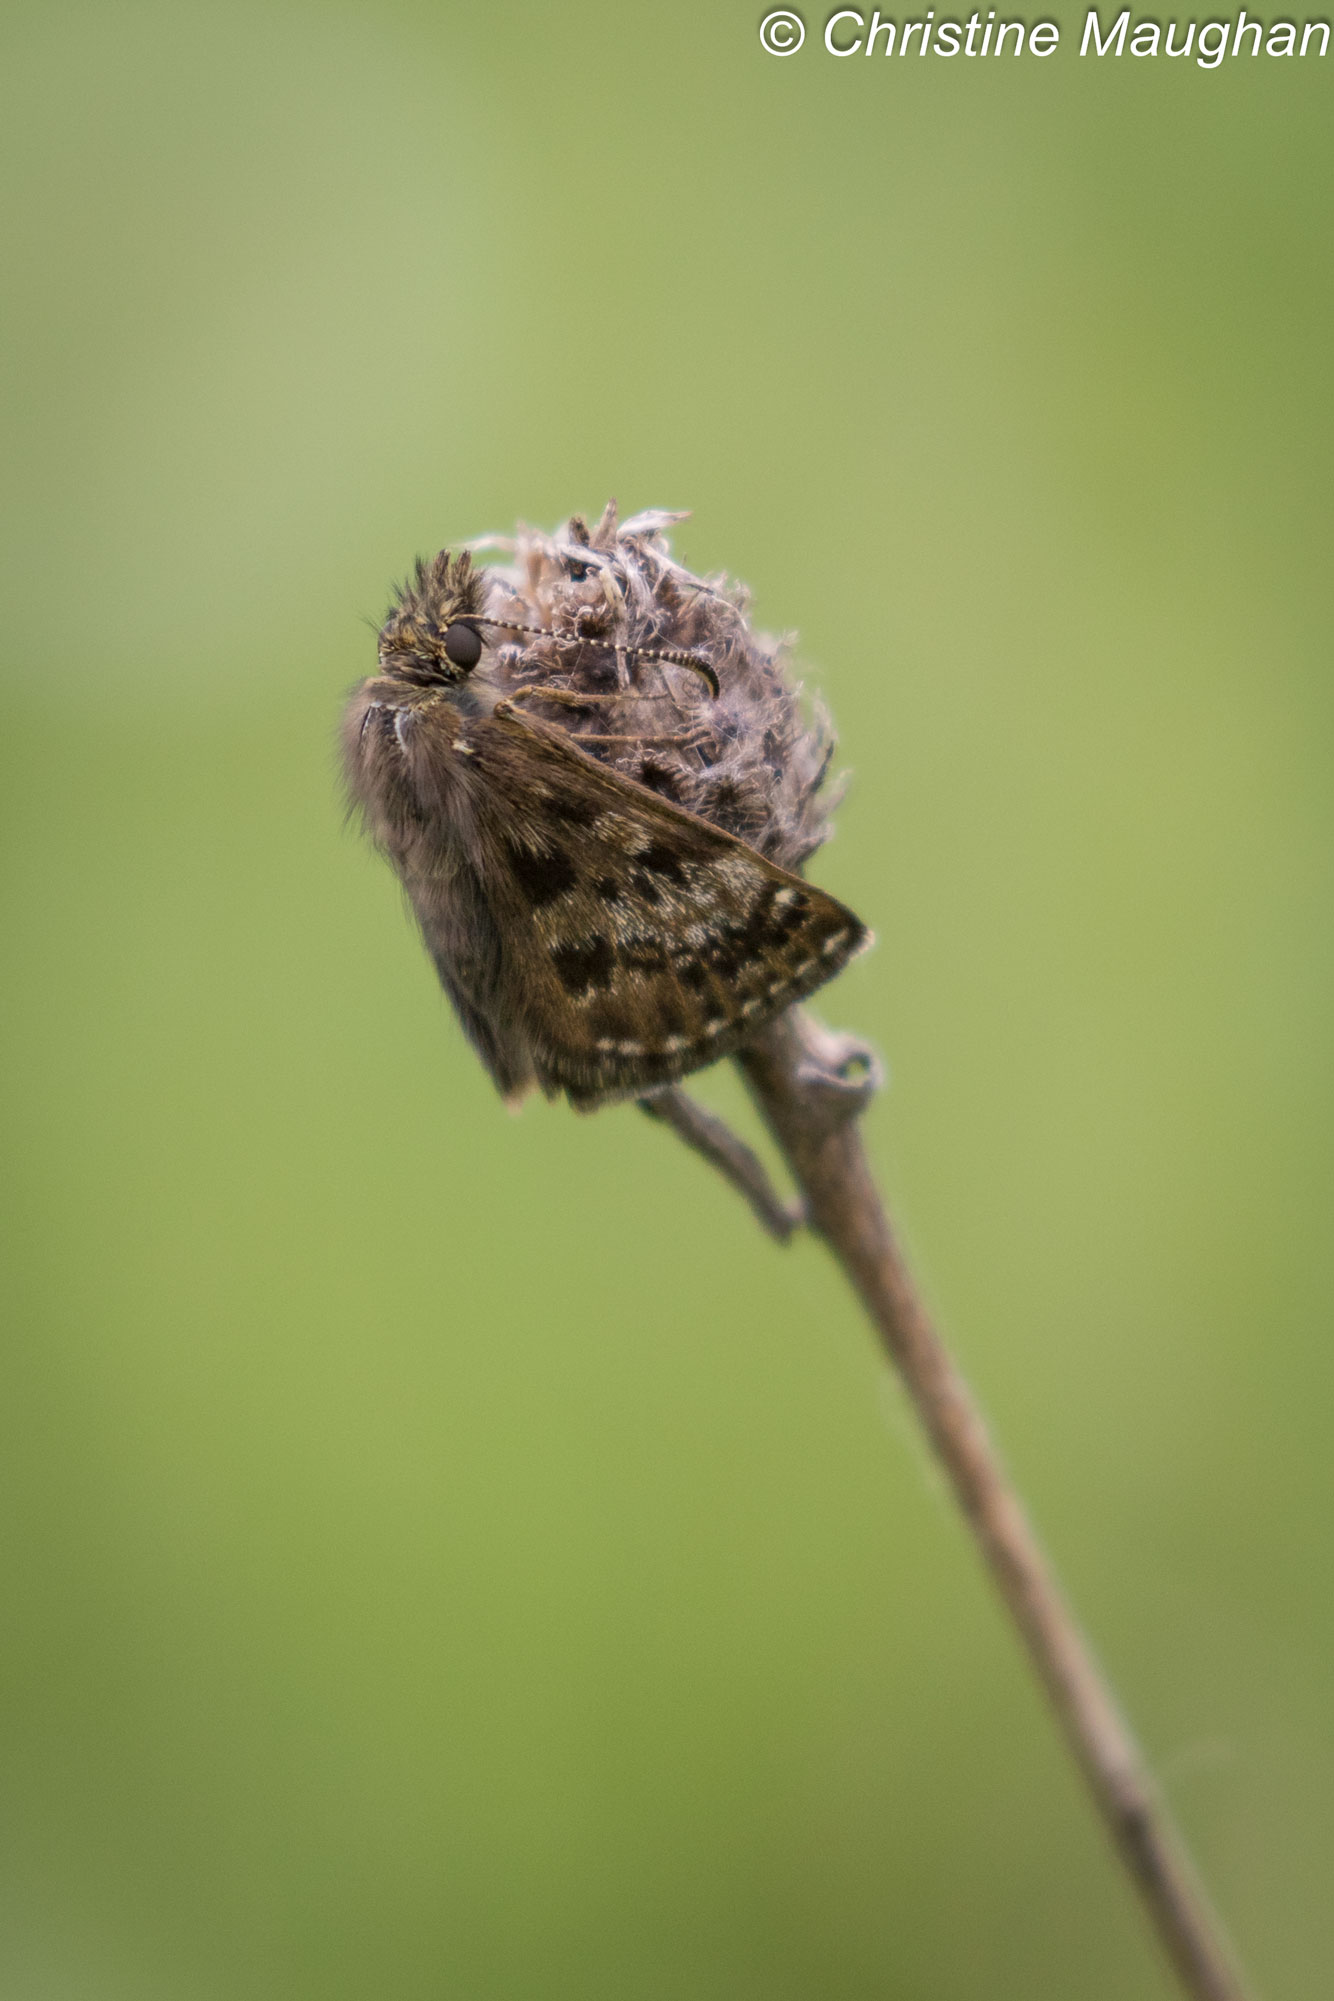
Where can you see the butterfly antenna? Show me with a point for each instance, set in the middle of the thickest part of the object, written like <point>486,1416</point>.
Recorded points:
<point>674,657</point>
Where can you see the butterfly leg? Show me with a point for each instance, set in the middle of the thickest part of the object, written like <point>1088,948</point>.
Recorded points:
<point>706,1134</point>
<point>574,698</point>
<point>566,698</point>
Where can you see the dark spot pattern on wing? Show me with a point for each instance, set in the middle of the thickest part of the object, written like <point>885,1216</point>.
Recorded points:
<point>585,967</point>
<point>573,810</point>
<point>661,858</point>
<point>644,955</point>
<point>671,1018</point>
<point>720,959</point>
<point>768,925</point>
<point>543,874</point>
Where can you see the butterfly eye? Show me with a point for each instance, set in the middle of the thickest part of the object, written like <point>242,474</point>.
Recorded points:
<point>463,644</point>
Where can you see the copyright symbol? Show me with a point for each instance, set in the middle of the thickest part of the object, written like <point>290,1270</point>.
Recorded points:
<point>782,32</point>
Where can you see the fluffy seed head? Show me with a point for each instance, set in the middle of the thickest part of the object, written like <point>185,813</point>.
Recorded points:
<point>752,760</point>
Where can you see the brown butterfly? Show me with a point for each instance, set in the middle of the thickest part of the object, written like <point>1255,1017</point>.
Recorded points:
<point>595,937</point>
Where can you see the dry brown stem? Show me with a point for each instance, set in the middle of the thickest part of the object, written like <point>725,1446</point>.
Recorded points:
<point>706,1134</point>
<point>810,1086</point>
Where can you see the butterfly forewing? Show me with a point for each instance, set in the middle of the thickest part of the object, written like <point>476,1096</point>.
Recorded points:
<point>642,942</point>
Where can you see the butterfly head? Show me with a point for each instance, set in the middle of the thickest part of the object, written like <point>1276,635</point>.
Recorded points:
<point>431,636</point>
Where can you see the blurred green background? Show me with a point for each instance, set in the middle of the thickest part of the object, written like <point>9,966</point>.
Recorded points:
<point>454,1556</point>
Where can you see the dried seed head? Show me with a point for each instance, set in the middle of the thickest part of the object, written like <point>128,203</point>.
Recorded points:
<point>750,760</point>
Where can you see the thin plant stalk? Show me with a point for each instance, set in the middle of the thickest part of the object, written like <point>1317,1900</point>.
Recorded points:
<point>810,1087</point>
